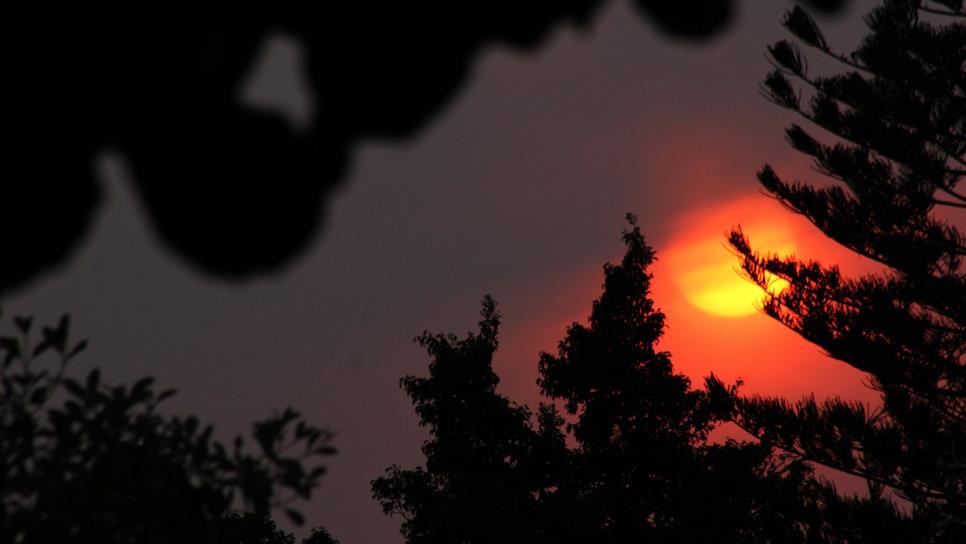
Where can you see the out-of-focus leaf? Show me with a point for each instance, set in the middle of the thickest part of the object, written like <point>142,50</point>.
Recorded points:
<point>11,346</point>
<point>166,394</point>
<point>295,516</point>
<point>56,337</point>
<point>23,324</point>
<point>93,380</point>
<point>74,388</point>
<point>81,346</point>
<point>38,395</point>
<point>141,388</point>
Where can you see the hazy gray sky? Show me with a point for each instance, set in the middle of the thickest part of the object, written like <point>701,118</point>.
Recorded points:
<point>518,190</point>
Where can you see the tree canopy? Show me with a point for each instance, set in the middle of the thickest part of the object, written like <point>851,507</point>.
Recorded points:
<point>892,154</point>
<point>628,458</point>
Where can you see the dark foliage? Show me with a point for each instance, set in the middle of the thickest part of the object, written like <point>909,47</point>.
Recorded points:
<point>896,127</point>
<point>631,464</point>
<point>237,191</point>
<point>477,485</point>
<point>640,457</point>
<point>83,461</point>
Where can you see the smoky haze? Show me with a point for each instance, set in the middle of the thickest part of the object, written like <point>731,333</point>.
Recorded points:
<point>528,173</point>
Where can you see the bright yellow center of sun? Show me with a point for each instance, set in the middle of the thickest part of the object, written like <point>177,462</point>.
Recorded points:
<point>710,278</point>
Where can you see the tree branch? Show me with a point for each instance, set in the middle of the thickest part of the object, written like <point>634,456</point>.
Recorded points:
<point>934,11</point>
<point>948,203</point>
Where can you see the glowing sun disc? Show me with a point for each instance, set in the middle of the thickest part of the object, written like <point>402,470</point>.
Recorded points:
<point>720,290</point>
<point>708,273</point>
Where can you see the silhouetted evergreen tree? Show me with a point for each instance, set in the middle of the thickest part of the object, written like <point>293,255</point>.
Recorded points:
<point>634,466</point>
<point>643,470</point>
<point>479,482</point>
<point>82,461</point>
<point>641,460</point>
<point>895,152</point>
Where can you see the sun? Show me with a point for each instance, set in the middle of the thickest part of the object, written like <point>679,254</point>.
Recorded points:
<point>707,272</point>
<point>720,289</point>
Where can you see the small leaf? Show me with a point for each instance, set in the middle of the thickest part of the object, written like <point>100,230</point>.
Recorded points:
<point>55,337</point>
<point>12,347</point>
<point>73,409</point>
<point>38,396</point>
<point>58,419</point>
<point>325,450</point>
<point>297,518</point>
<point>81,346</point>
<point>41,347</point>
<point>167,393</point>
<point>142,388</point>
<point>74,388</point>
<point>23,323</point>
<point>93,380</point>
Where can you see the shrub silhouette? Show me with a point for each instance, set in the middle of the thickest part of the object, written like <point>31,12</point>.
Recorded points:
<point>83,461</point>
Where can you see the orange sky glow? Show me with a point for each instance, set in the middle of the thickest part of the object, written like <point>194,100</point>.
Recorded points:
<point>714,321</point>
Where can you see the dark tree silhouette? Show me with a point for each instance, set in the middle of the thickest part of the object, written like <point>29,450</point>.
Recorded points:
<point>233,190</point>
<point>633,467</point>
<point>81,461</point>
<point>478,484</point>
<point>895,152</point>
<point>640,428</point>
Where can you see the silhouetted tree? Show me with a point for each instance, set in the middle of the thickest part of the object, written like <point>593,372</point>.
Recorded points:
<point>478,484</point>
<point>634,466</point>
<point>895,154</point>
<point>81,461</point>
<point>642,459</point>
<point>640,427</point>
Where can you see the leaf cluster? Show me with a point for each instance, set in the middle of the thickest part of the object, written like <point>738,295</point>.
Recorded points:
<point>82,460</point>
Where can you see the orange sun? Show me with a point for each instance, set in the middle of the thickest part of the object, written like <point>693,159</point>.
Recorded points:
<point>707,272</point>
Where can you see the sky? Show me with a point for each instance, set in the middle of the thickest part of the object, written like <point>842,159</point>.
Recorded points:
<point>518,190</point>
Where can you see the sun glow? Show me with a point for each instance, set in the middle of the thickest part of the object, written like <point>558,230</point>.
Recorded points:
<point>708,273</point>
<point>718,288</point>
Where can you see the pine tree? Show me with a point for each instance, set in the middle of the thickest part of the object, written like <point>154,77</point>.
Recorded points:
<point>638,421</point>
<point>642,468</point>
<point>632,465</point>
<point>894,153</point>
